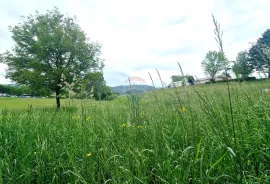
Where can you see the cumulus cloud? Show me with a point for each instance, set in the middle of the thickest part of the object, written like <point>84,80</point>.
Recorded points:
<point>141,36</point>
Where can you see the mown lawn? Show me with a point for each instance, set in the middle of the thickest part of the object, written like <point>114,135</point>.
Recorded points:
<point>183,135</point>
<point>25,102</point>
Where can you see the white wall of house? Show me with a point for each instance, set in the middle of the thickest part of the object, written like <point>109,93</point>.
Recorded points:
<point>196,82</point>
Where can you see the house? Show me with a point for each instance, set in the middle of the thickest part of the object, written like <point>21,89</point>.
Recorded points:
<point>3,94</point>
<point>25,96</point>
<point>177,84</point>
<point>196,82</point>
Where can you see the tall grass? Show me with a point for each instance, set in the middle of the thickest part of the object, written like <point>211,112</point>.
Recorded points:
<point>94,143</point>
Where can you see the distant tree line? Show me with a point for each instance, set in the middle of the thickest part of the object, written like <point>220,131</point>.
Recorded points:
<point>15,90</point>
<point>257,59</point>
<point>246,62</point>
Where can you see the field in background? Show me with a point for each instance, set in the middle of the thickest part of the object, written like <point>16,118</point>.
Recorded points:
<point>183,135</point>
<point>25,102</point>
<point>19,103</point>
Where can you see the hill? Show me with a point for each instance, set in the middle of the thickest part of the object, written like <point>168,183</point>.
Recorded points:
<point>11,85</point>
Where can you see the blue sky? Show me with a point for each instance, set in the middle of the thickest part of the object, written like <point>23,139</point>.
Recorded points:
<point>140,36</point>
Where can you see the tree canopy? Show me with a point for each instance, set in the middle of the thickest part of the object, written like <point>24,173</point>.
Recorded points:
<point>176,78</point>
<point>16,90</point>
<point>48,46</point>
<point>241,66</point>
<point>259,59</point>
<point>94,83</point>
<point>190,79</point>
<point>213,63</point>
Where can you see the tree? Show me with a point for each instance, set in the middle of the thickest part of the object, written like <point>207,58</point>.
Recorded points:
<point>259,60</point>
<point>16,90</point>
<point>93,79</point>
<point>225,75</point>
<point>190,79</point>
<point>213,63</point>
<point>241,66</point>
<point>102,92</point>
<point>94,84</point>
<point>5,89</point>
<point>47,46</point>
<point>176,78</point>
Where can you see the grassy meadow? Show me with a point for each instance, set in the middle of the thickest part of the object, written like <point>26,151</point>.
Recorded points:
<point>176,135</point>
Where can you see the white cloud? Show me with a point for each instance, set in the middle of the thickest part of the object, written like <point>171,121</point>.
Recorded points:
<point>3,80</point>
<point>139,36</point>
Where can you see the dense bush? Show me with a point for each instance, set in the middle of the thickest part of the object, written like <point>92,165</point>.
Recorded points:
<point>235,80</point>
<point>16,90</point>
<point>102,92</point>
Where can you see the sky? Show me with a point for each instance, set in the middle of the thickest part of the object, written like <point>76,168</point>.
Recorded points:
<point>142,36</point>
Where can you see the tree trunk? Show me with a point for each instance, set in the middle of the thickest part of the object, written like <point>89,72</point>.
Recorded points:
<point>58,97</point>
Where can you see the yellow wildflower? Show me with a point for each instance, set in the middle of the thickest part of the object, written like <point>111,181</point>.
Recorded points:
<point>89,154</point>
<point>88,118</point>
<point>139,126</point>
<point>182,109</point>
<point>123,125</point>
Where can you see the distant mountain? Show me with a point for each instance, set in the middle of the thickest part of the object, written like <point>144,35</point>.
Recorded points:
<point>12,85</point>
<point>124,89</point>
